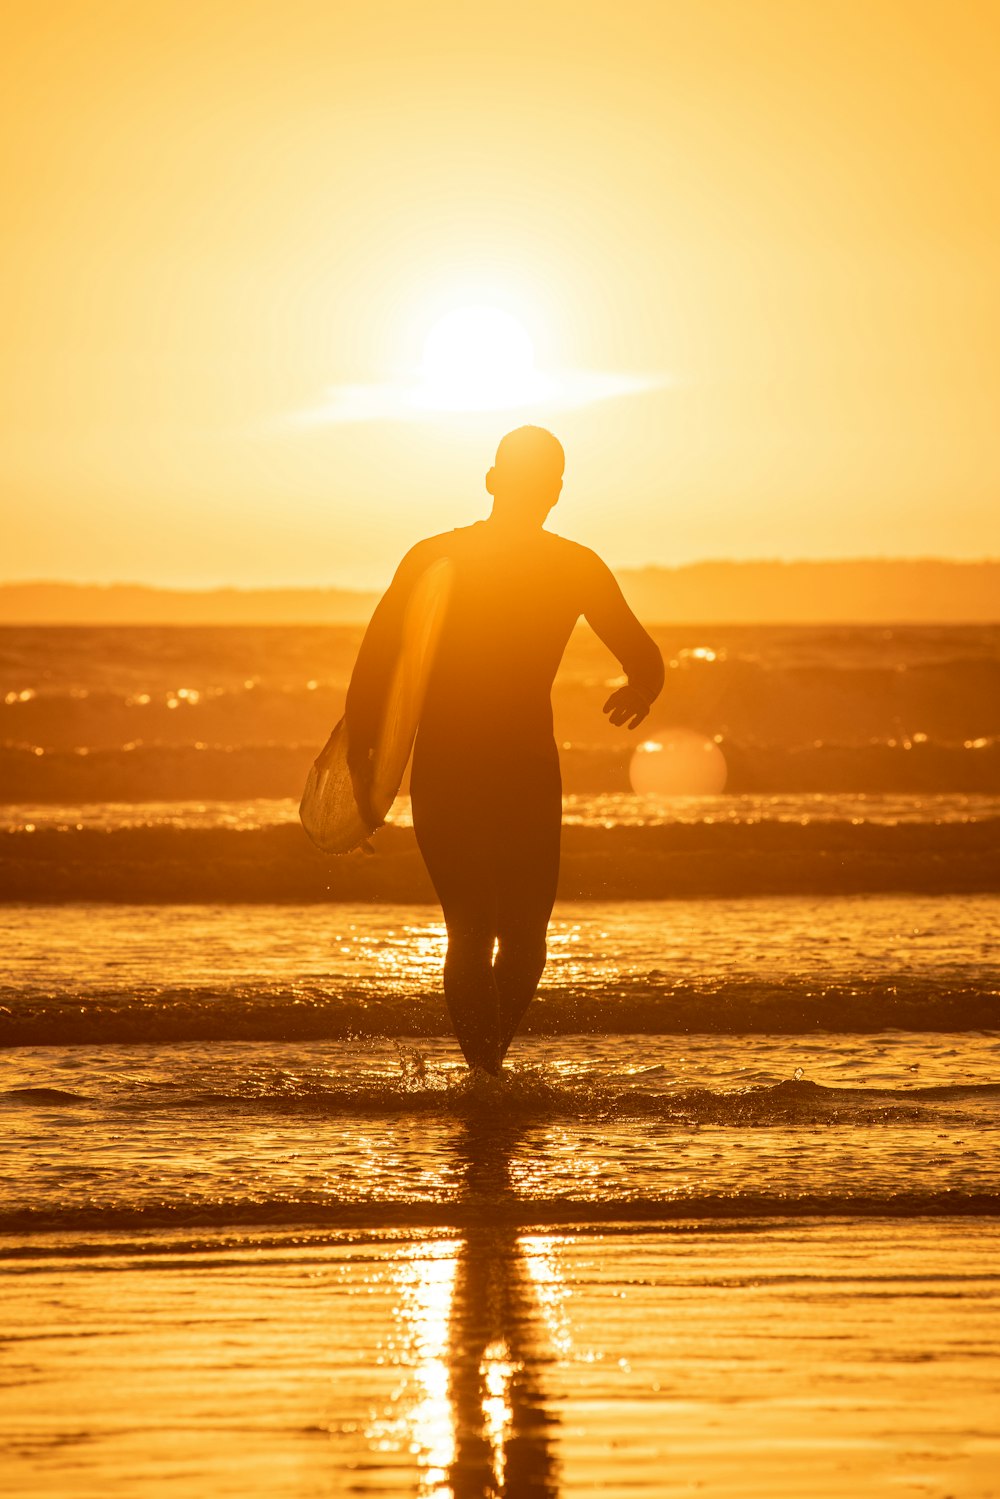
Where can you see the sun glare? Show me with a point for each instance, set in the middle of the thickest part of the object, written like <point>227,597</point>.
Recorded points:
<point>477,343</point>
<point>678,762</point>
<point>477,359</point>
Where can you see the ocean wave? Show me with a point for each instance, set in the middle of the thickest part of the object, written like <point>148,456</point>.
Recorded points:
<point>527,1093</point>
<point>374,1137</point>
<point>141,771</point>
<point>595,810</point>
<point>147,714</point>
<point>255,1010</point>
<point>677,1210</point>
<point>708,858</point>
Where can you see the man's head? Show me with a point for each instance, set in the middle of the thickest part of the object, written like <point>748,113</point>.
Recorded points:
<point>527,474</point>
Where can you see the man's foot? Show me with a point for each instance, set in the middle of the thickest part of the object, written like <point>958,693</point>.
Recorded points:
<point>482,1076</point>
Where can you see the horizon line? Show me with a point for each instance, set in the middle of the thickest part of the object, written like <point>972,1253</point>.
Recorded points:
<point>627,567</point>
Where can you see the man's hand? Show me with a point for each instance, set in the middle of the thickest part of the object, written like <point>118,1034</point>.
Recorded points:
<point>627,705</point>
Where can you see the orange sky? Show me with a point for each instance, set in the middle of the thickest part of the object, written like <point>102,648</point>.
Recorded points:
<point>786,216</point>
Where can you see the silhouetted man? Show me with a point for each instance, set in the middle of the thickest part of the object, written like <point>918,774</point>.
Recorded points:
<point>485,783</point>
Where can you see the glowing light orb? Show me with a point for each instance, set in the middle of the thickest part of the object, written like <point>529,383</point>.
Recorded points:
<point>477,343</point>
<point>477,358</point>
<point>678,762</point>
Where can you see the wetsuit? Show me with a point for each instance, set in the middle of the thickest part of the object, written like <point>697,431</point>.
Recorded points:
<point>485,782</point>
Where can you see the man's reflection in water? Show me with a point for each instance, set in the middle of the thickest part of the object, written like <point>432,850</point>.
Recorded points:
<point>497,1345</point>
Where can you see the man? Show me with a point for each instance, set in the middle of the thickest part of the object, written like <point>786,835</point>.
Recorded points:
<point>485,783</point>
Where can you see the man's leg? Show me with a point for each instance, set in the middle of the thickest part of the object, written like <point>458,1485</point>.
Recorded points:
<point>460,865</point>
<point>519,965</point>
<point>528,873</point>
<point>470,989</point>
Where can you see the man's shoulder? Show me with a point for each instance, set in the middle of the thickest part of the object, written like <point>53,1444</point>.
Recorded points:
<point>569,557</point>
<point>429,550</point>
<point>445,543</point>
<point>573,554</point>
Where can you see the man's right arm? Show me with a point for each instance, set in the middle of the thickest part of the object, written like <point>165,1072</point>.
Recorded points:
<point>607,613</point>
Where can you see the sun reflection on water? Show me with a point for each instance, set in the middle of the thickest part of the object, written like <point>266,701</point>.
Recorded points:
<point>496,1370</point>
<point>421,1421</point>
<point>477,1320</point>
<point>551,1290</point>
<point>414,952</point>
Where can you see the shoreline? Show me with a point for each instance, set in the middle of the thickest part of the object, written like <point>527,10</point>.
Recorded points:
<point>682,1215</point>
<point>787,1359</point>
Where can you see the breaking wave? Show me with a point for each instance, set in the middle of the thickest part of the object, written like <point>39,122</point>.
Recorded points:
<point>266,1010</point>
<point>614,862</point>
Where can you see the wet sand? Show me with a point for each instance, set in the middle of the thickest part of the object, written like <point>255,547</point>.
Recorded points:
<point>764,1357</point>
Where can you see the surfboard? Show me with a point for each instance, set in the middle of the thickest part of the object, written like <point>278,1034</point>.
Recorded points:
<point>329,811</point>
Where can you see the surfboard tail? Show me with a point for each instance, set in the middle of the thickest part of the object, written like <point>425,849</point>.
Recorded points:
<point>329,810</point>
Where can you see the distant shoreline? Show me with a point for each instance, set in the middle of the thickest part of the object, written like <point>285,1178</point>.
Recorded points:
<point>862,591</point>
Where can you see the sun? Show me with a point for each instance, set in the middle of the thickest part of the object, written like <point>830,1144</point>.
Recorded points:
<point>477,343</point>
<point>477,358</point>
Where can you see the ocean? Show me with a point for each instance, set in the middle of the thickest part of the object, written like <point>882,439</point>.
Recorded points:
<point>743,1162</point>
